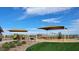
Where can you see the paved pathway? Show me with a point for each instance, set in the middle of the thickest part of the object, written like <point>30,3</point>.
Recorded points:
<point>58,40</point>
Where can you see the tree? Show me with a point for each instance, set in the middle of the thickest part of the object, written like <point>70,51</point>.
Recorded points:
<point>59,35</point>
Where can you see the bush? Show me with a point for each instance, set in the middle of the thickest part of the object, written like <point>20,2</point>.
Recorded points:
<point>15,37</point>
<point>12,44</point>
<point>15,42</point>
<point>23,42</point>
<point>6,46</point>
<point>19,43</point>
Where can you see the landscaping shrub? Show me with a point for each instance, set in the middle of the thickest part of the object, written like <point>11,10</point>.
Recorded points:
<point>12,44</point>
<point>6,46</point>
<point>23,42</point>
<point>15,42</point>
<point>19,43</point>
<point>15,37</point>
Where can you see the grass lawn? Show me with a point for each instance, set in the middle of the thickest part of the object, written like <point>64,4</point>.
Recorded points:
<point>55,46</point>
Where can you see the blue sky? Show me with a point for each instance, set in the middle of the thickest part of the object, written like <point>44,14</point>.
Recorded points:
<point>31,18</point>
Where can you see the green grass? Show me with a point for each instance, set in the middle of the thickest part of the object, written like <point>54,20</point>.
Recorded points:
<point>55,46</point>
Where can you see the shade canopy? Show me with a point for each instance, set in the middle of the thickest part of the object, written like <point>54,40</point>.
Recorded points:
<point>52,28</point>
<point>18,30</point>
<point>1,30</point>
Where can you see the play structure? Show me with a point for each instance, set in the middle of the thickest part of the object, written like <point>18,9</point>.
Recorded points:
<point>47,36</point>
<point>47,28</point>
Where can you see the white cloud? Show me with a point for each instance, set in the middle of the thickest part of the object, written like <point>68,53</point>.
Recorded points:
<point>52,20</point>
<point>6,32</point>
<point>75,24</point>
<point>22,17</point>
<point>45,10</point>
<point>74,27</point>
<point>41,10</point>
<point>32,29</point>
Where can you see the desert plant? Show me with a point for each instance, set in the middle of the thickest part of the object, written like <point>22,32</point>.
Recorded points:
<point>23,42</point>
<point>12,44</point>
<point>14,37</point>
<point>15,41</point>
<point>19,43</point>
<point>6,46</point>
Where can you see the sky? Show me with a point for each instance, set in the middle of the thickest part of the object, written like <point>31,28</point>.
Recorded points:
<point>31,18</point>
